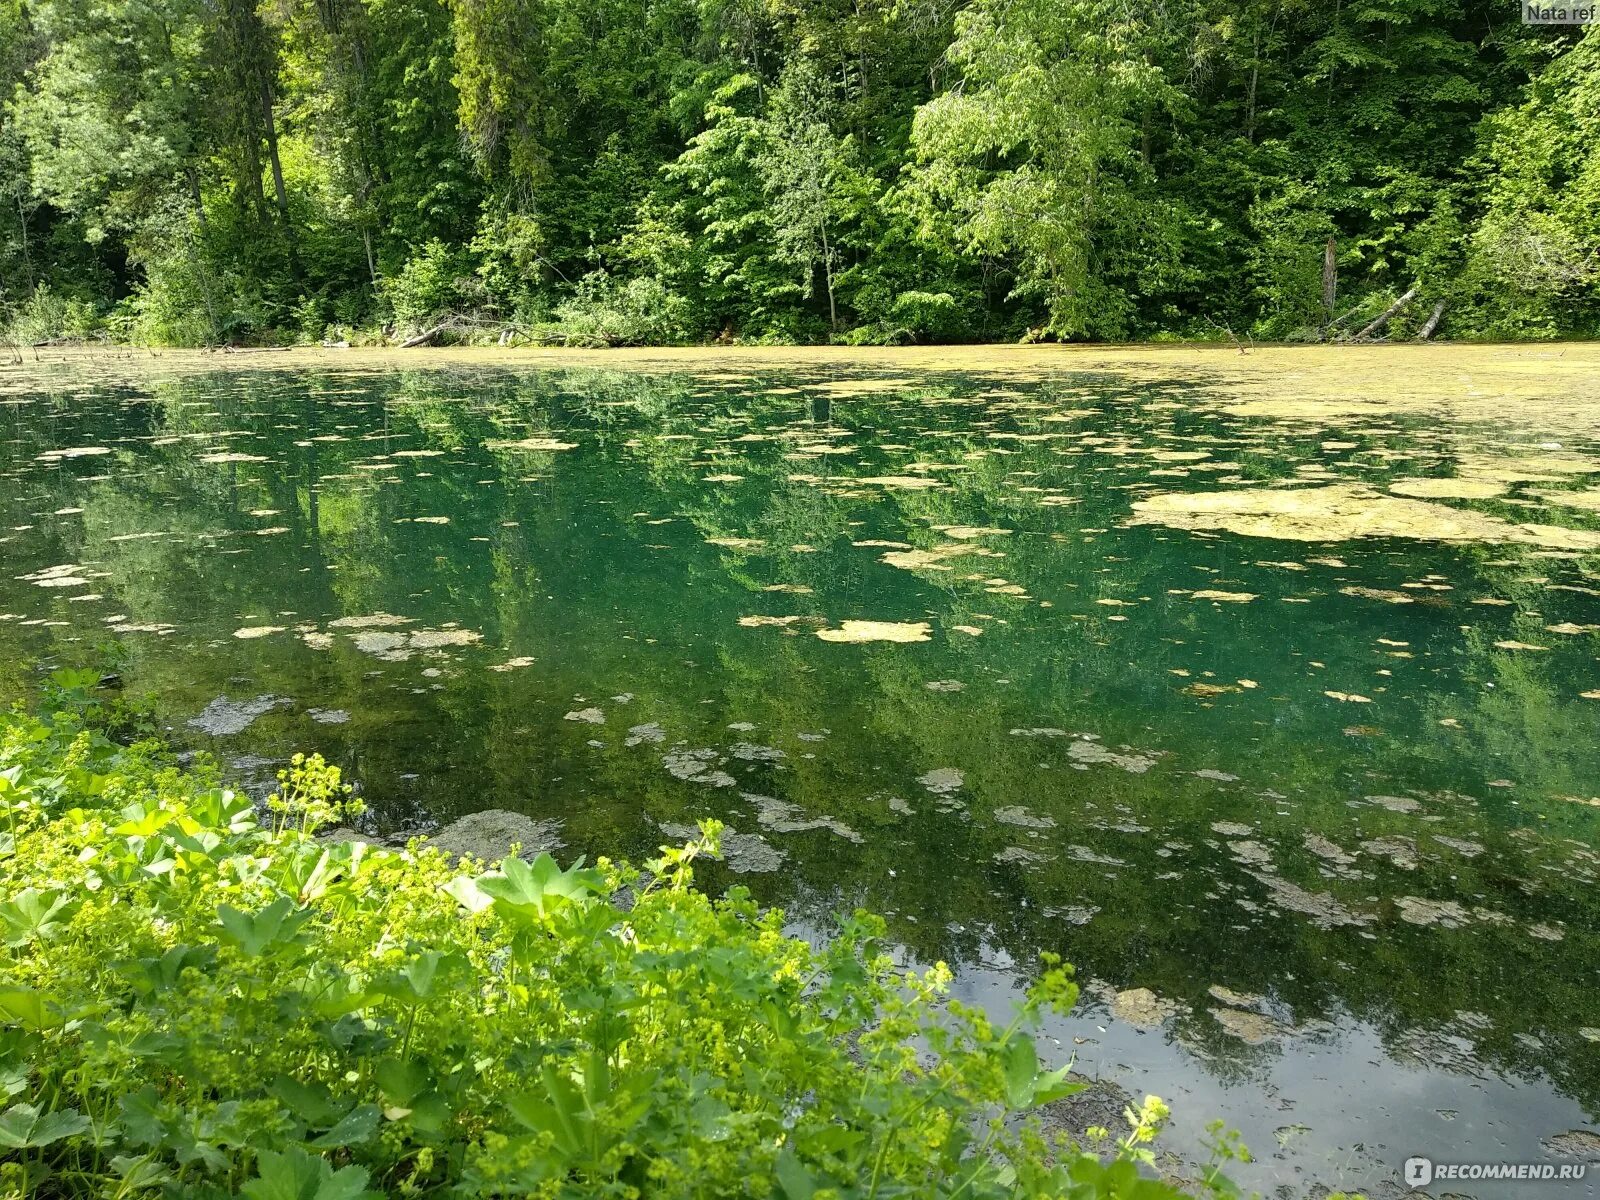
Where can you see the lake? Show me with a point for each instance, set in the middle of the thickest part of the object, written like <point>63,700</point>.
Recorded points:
<point>1262,687</point>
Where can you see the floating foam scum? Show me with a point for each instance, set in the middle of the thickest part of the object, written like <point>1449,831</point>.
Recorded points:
<point>1525,384</point>
<point>908,482</point>
<point>532,443</point>
<point>74,452</point>
<point>1341,512</point>
<point>1588,499</point>
<point>934,559</point>
<point>1447,489</point>
<point>966,533</point>
<point>877,631</point>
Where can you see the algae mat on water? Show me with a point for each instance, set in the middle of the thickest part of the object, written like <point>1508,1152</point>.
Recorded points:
<point>1264,687</point>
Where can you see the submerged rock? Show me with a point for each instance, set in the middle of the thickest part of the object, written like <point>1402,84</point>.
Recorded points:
<point>745,853</point>
<point>1100,1105</point>
<point>490,834</point>
<point>224,717</point>
<point>697,766</point>
<point>1249,1026</point>
<point>1574,1143</point>
<point>1143,1008</point>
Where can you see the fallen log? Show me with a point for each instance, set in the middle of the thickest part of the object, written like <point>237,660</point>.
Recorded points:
<point>1382,318</point>
<point>423,338</point>
<point>1431,323</point>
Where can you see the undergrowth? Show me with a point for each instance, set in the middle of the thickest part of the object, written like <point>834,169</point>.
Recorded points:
<point>203,998</point>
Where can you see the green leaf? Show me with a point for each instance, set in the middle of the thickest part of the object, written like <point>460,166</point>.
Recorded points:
<point>143,1118</point>
<point>151,975</point>
<point>1020,1060</point>
<point>296,1175</point>
<point>310,1103</point>
<point>797,1182</point>
<point>466,892</point>
<point>399,1081</point>
<point>140,1173</point>
<point>1050,1086</point>
<point>537,888</point>
<point>1026,1085</point>
<point>356,1126</point>
<point>221,808</point>
<point>29,1008</point>
<point>419,979</point>
<point>254,933</point>
<point>23,1126</point>
<point>34,914</point>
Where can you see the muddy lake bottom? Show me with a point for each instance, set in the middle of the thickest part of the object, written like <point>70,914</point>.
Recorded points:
<point>1264,689</point>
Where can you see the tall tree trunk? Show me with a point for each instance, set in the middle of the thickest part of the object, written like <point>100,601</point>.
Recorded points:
<point>196,197</point>
<point>1330,276</point>
<point>27,254</point>
<point>269,125</point>
<point>827,275</point>
<point>255,193</point>
<point>1250,99</point>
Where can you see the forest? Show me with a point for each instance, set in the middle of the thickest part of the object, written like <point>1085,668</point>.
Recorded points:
<point>607,172</point>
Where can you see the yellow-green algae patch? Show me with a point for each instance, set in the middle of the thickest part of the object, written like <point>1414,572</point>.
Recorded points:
<point>1447,489</point>
<point>876,631</point>
<point>1342,512</point>
<point>1588,499</point>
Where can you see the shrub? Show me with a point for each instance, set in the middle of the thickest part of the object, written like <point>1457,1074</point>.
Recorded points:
<point>431,284</point>
<point>633,312</point>
<point>45,315</point>
<point>891,318</point>
<point>204,999</point>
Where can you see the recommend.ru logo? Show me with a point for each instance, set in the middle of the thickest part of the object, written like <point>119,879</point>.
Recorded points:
<point>1420,1171</point>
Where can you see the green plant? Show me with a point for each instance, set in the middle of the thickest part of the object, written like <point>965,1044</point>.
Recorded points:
<point>428,286</point>
<point>46,315</point>
<point>613,312</point>
<point>200,1004</point>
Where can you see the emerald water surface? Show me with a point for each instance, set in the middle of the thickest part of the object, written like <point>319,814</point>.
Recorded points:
<point>1306,789</point>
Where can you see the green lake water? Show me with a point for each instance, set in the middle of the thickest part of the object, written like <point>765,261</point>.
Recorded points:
<point>1312,813</point>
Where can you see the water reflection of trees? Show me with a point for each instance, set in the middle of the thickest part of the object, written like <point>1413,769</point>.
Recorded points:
<point>550,561</point>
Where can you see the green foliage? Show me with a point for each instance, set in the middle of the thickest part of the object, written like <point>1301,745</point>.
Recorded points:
<point>879,172</point>
<point>615,312</point>
<point>431,284</point>
<point>198,1002</point>
<point>1036,155</point>
<point>45,315</point>
<point>1535,257</point>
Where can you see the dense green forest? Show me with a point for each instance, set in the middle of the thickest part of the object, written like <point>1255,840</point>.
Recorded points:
<point>624,171</point>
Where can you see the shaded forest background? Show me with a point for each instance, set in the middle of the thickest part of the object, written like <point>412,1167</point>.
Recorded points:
<point>867,171</point>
